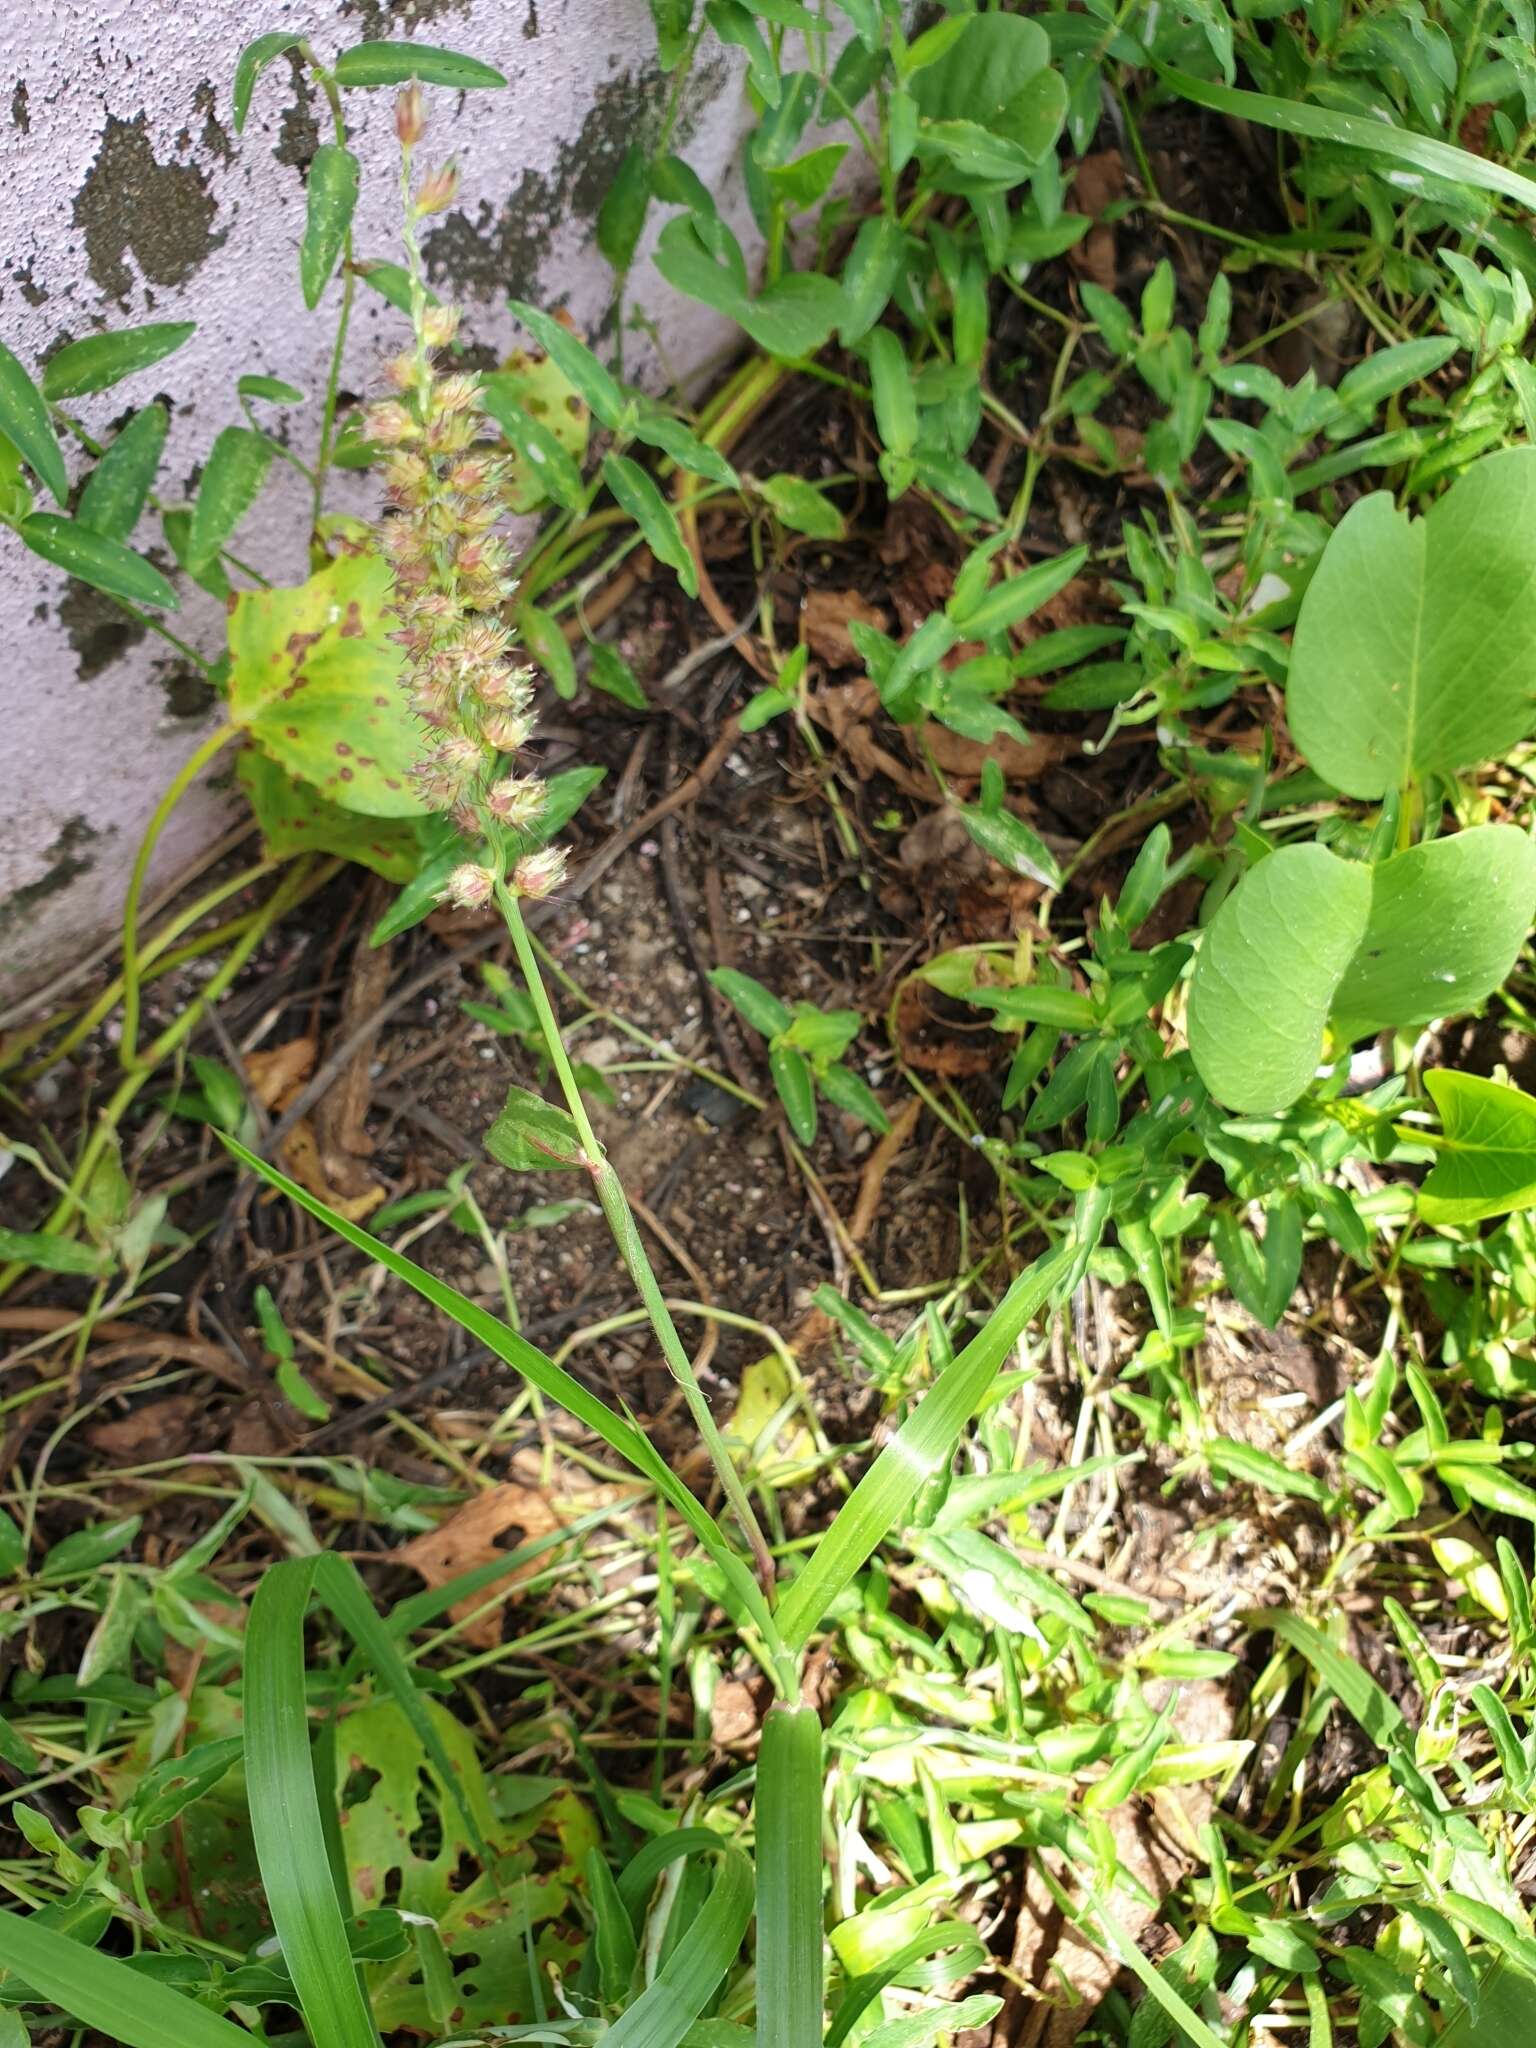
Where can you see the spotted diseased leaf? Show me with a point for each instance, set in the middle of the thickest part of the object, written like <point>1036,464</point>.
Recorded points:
<point>316,682</point>
<point>295,818</point>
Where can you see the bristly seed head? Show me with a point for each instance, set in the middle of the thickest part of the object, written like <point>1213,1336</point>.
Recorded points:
<point>446,488</point>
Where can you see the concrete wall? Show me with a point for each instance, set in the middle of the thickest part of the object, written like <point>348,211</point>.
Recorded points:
<point>125,196</point>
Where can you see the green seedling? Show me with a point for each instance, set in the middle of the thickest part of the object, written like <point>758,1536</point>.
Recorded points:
<point>805,1048</point>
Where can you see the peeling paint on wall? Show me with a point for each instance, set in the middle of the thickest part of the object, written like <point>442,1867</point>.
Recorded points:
<point>127,197</point>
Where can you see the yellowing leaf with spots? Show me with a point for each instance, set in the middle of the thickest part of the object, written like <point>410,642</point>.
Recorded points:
<point>316,682</point>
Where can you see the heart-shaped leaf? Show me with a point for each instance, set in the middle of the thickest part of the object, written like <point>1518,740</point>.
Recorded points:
<point>1306,938</point>
<point>1414,645</point>
<point>1486,1163</point>
<point>315,681</point>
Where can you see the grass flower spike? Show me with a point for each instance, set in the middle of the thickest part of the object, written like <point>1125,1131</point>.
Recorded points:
<point>447,494</point>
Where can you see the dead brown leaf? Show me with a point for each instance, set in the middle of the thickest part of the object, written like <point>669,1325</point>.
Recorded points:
<point>825,616</point>
<point>277,1076</point>
<point>301,1157</point>
<point>963,759</point>
<point>162,1427</point>
<point>468,1538</point>
<point>1097,183</point>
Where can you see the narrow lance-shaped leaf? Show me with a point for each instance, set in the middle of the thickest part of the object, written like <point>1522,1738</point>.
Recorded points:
<point>101,360</point>
<point>921,1447</point>
<point>285,1815</point>
<point>252,61</point>
<point>118,488</point>
<point>657,522</point>
<point>105,564</point>
<point>24,422</point>
<point>332,200</point>
<point>107,1995</point>
<point>541,1372</point>
<point>231,482</point>
<point>387,63</point>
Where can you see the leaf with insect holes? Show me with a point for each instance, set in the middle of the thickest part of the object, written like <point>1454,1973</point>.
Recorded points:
<point>1485,1155</point>
<point>387,63</point>
<point>101,360</point>
<point>1415,641</point>
<point>118,488</point>
<point>532,1135</point>
<point>105,564</point>
<point>316,682</point>
<point>546,423</point>
<point>294,818</point>
<point>330,204</point>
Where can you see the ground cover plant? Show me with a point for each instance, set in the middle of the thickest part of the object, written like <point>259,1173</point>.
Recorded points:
<point>1072,1579</point>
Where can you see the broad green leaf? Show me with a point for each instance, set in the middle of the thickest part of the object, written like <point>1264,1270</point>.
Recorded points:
<point>621,217</point>
<point>274,388</point>
<point>50,1252</point>
<point>104,564</point>
<point>923,1445</point>
<point>1013,844</point>
<point>331,202</point>
<point>990,58</point>
<point>231,483</point>
<point>546,425</point>
<point>796,1089</point>
<point>101,360</point>
<point>1485,1157</point>
<point>802,507</point>
<point>612,674</point>
<point>540,1371</point>
<point>760,1006</point>
<point>581,369</point>
<point>24,422</point>
<point>789,318</point>
<point>660,430</point>
<point>253,60</point>
<point>637,493</point>
<point>386,63</point>
<point>316,682</point>
<point>286,1821</point>
<point>540,634</point>
<point>1267,971</point>
<point>294,818</point>
<point>532,1135</point>
<point>119,486</point>
<point>1447,921</point>
<point>103,1993</point>
<point>1413,646</point>
<point>1506,2011</point>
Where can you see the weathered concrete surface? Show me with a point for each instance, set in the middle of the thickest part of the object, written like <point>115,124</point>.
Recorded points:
<point>126,197</point>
